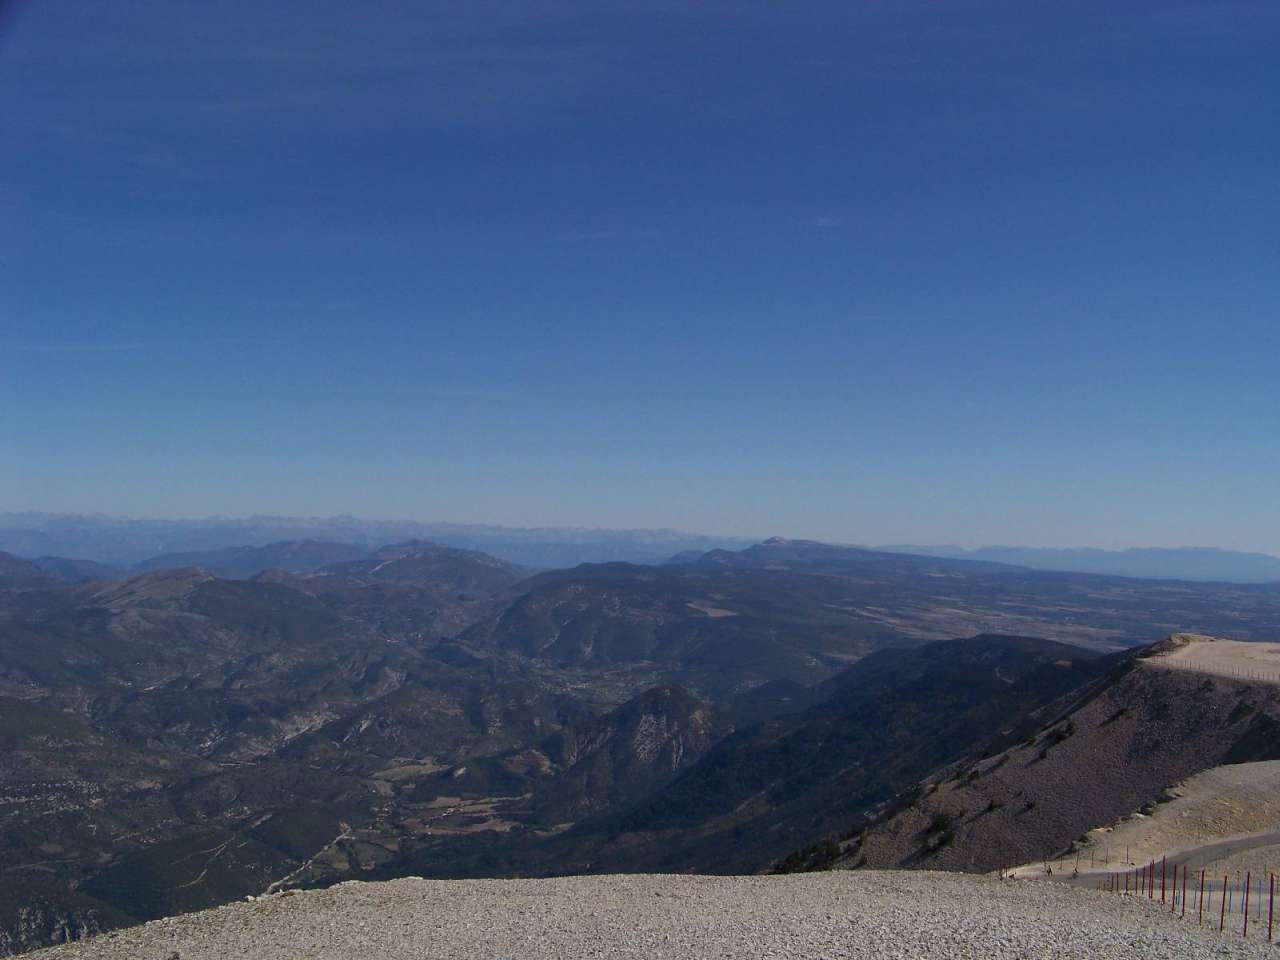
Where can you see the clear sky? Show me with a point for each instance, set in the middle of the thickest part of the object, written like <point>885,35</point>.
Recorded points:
<point>894,271</point>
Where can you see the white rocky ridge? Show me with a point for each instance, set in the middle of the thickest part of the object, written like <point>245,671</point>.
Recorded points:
<point>862,914</point>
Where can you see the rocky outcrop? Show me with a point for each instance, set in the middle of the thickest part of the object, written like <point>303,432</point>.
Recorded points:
<point>40,923</point>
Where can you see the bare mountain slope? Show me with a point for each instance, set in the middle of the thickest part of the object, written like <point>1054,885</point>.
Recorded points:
<point>1148,729</point>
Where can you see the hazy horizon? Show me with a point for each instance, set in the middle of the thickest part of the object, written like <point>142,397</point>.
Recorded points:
<point>970,274</point>
<point>758,537</point>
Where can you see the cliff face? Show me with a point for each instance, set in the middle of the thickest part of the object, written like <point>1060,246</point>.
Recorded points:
<point>637,748</point>
<point>43,923</point>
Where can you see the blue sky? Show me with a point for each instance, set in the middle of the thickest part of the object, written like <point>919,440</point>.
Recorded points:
<point>902,271</point>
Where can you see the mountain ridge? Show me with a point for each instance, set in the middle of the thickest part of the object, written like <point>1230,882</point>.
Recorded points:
<point>1205,564</point>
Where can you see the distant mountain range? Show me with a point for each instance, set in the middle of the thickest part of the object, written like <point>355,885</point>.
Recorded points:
<point>126,541</point>
<point>226,545</point>
<point>1150,563</point>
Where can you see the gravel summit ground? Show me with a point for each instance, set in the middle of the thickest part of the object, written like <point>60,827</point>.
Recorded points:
<point>862,914</point>
<point>1228,658</point>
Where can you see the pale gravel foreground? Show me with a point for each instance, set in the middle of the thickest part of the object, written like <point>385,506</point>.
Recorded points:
<point>863,914</point>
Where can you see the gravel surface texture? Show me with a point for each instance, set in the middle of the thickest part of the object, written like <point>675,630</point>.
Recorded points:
<point>882,915</point>
<point>1225,819</point>
<point>1250,660</point>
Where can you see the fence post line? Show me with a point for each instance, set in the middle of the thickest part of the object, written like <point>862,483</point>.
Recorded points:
<point>1184,891</point>
<point>1201,920</point>
<point>1164,863</point>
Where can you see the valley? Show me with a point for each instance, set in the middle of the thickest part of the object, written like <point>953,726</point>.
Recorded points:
<point>179,738</point>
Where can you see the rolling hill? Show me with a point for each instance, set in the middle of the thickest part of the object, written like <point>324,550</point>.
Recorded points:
<point>243,562</point>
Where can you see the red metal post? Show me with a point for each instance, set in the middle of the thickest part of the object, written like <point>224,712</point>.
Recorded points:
<point>1248,883</point>
<point>1163,867</point>
<point>1184,891</point>
<point>1271,907</point>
